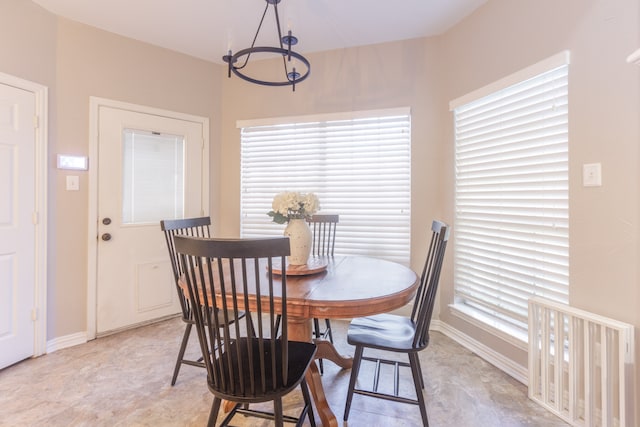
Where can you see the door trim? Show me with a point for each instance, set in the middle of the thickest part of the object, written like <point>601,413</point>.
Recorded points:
<point>40,216</point>
<point>92,261</point>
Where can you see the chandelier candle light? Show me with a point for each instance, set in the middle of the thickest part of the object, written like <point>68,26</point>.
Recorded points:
<point>291,75</point>
<point>295,208</point>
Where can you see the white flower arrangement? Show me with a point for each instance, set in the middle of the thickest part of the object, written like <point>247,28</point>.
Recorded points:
<point>293,205</point>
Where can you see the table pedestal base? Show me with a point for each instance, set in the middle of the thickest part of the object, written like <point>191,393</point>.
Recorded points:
<point>300,330</point>
<point>327,351</point>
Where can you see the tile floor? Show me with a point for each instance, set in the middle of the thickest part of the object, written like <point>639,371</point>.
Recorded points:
<point>124,380</point>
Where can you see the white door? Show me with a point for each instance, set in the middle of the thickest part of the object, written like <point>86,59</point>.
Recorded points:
<point>17,230</point>
<point>150,168</point>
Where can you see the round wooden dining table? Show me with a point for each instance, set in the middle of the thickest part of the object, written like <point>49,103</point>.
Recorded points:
<point>345,287</point>
<point>350,287</point>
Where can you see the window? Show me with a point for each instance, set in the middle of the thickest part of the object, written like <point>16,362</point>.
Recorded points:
<point>512,196</point>
<point>357,163</point>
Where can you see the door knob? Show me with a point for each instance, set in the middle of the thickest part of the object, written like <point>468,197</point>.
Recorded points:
<point>106,237</point>
<point>106,221</point>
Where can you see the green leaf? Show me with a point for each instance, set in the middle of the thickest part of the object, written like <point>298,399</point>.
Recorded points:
<point>277,217</point>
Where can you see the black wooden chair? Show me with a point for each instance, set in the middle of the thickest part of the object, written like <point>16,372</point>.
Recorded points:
<point>323,228</point>
<point>400,334</point>
<point>197,227</point>
<point>245,367</point>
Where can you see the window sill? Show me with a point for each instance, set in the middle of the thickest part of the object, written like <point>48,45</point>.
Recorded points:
<point>474,317</point>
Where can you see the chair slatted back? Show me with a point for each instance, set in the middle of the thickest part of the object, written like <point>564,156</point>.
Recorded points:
<point>227,276</point>
<point>195,227</point>
<point>429,279</point>
<point>323,228</point>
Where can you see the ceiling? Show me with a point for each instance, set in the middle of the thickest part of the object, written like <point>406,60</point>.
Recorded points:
<point>208,28</point>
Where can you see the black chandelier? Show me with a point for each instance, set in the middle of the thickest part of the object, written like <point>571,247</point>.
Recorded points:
<point>291,75</point>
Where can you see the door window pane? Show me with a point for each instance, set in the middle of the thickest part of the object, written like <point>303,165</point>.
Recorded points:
<point>152,176</point>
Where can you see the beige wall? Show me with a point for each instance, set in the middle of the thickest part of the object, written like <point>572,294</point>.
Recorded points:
<point>92,62</point>
<point>373,77</point>
<point>504,36</point>
<point>604,126</point>
<point>76,61</point>
<point>27,42</point>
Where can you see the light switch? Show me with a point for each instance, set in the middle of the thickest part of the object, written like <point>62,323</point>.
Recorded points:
<point>592,175</point>
<point>73,183</point>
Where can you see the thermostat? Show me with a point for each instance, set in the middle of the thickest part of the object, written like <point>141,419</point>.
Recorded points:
<point>73,162</point>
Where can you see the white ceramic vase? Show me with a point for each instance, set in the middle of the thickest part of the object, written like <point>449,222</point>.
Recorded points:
<point>300,241</point>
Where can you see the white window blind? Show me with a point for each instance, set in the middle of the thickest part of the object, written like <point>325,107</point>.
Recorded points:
<point>512,201</point>
<point>357,163</point>
<point>152,176</point>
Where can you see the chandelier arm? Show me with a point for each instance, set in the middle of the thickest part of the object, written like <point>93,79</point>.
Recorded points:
<point>240,67</point>
<point>260,25</point>
<point>253,43</point>
<point>275,8</point>
<point>284,63</point>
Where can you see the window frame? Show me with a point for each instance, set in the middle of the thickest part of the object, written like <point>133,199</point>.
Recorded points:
<point>334,171</point>
<point>491,322</point>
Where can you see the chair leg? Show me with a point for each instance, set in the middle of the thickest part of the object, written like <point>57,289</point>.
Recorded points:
<point>252,328</point>
<point>183,347</point>
<point>307,402</point>
<point>327,323</point>
<point>278,320</point>
<point>355,368</point>
<point>420,372</point>
<point>213,415</point>
<point>416,371</point>
<point>318,334</point>
<point>277,412</point>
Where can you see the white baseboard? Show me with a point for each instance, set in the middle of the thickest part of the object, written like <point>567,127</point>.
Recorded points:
<point>66,341</point>
<point>508,366</point>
